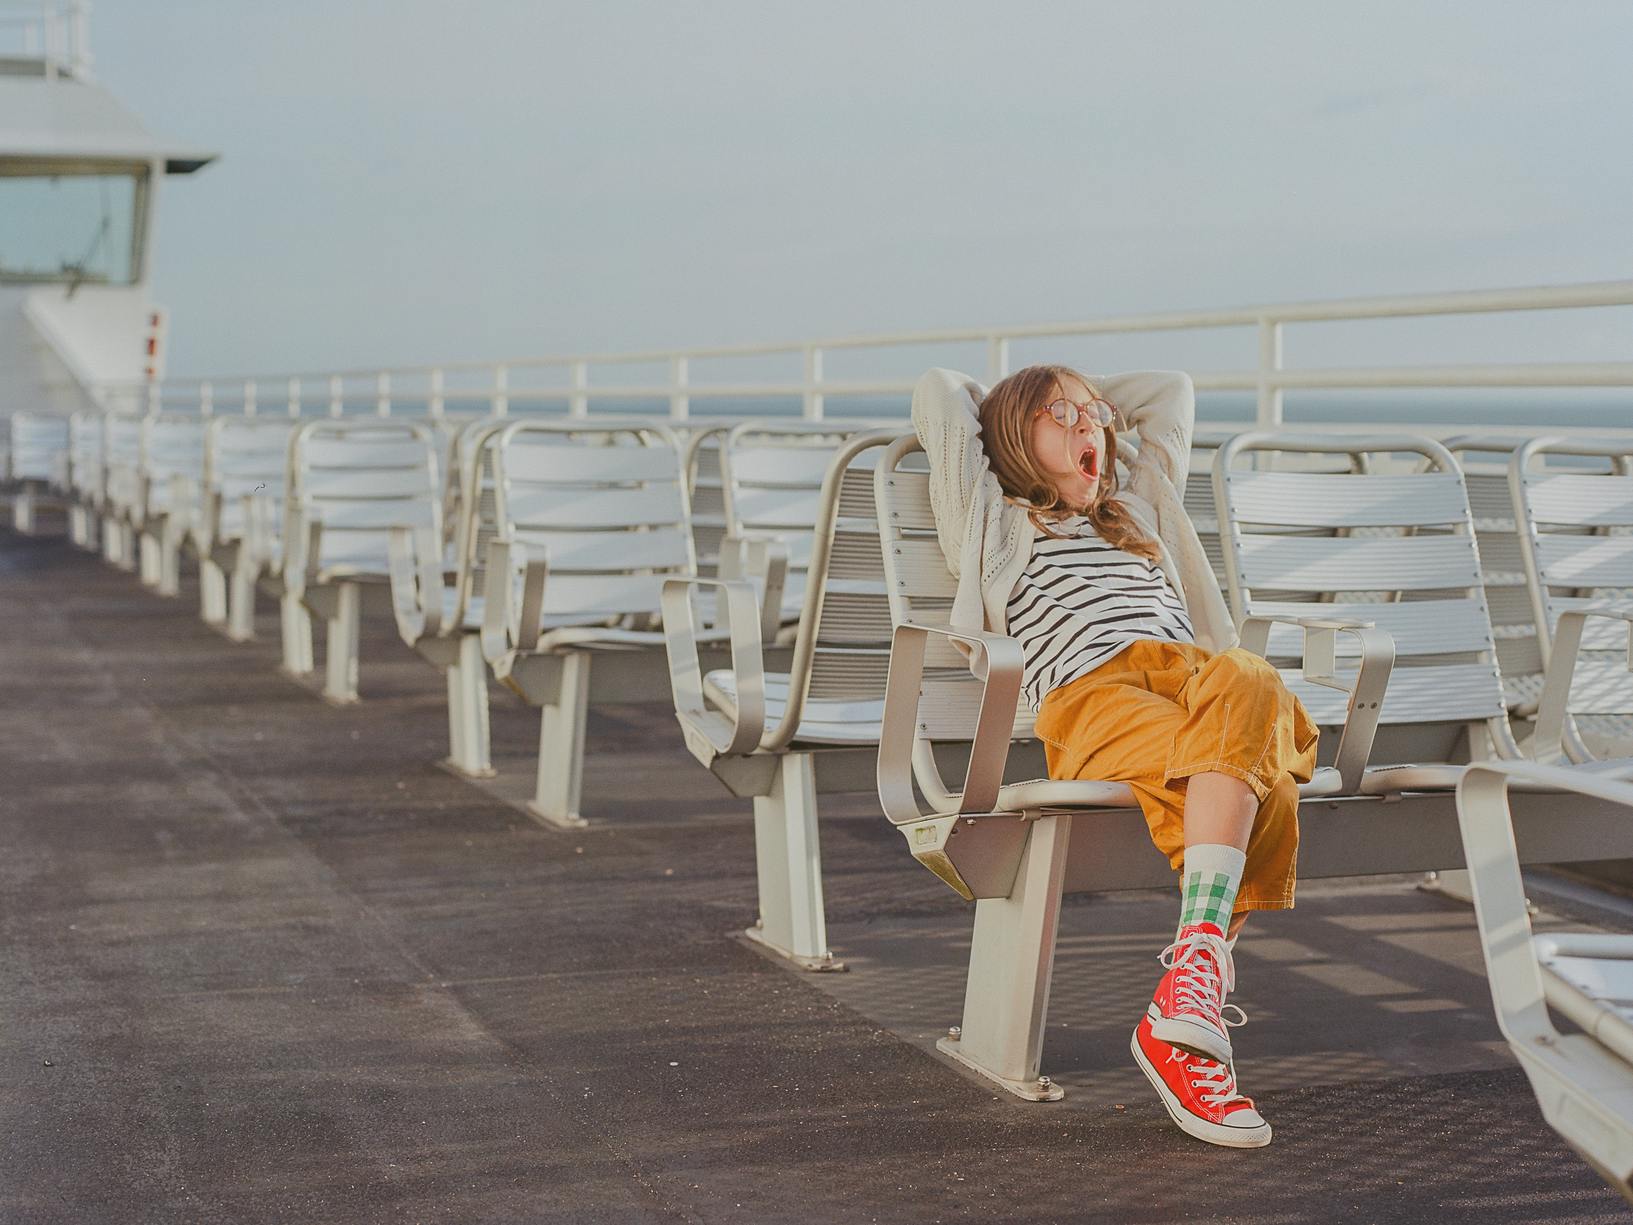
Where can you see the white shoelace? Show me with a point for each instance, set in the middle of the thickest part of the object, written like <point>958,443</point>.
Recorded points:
<point>1215,1081</point>
<point>1203,982</point>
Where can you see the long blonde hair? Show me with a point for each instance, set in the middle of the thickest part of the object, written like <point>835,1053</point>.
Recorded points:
<point>1006,427</point>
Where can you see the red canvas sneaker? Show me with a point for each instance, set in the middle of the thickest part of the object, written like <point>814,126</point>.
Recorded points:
<point>1190,1000</point>
<point>1200,1094</point>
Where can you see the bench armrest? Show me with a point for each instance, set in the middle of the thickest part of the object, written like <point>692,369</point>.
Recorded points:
<point>1553,712</point>
<point>999,662</point>
<point>741,612</point>
<point>1320,667</point>
<point>762,559</point>
<point>416,582</point>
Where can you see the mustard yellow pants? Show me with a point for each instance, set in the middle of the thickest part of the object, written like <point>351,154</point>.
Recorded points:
<point>1157,712</point>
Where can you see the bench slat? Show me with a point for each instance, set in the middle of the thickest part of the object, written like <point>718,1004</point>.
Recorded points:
<point>1335,500</point>
<point>526,460</point>
<point>1586,561</point>
<point>664,548</point>
<point>1325,563</point>
<point>1581,501</point>
<point>546,507</point>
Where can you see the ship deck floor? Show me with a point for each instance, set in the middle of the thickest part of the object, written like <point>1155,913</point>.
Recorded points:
<point>262,960</point>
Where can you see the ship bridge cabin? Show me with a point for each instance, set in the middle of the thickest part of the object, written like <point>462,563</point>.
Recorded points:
<point>78,180</point>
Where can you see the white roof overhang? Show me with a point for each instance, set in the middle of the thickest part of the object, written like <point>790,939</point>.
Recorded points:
<point>66,119</point>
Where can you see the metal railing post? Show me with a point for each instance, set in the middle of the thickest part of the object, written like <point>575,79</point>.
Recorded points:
<point>1270,395</point>
<point>437,405</point>
<point>997,357</point>
<point>249,397</point>
<point>153,401</point>
<point>206,399</point>
<point>337,402</point>
<point>294,397</point>
<point>578,405</point>
<point>382,394</point>
<point>501,391</point>
<point>814,405</point>
<point>680,403</point>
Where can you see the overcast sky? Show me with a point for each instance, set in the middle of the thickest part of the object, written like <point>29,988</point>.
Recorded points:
<point>421,180</point>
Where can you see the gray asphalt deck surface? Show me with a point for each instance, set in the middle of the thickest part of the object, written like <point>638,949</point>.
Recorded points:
<point>263,961</point>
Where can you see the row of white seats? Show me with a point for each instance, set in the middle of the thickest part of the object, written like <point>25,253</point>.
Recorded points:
<point>1370,569</point>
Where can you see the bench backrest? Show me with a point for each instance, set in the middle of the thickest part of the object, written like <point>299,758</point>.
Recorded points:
<point>1576,544</point>
<point>122,461</point>
<point>771,478</point>
<point>921,589</point>
<point>360,479</point>
<point>1502,566</point>
<point>603,506</point>
<point>36,441</point>
<point>1407,561</point>
<point>172,461</point>
<point>468,510</point>
<point>245,458</point>
<point>841,654</point>
<point>85,469</point>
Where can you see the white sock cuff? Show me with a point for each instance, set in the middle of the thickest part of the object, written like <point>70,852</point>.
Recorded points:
<point>1215,857</point>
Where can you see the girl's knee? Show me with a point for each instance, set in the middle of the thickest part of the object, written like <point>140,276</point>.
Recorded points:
<point>1279,808</point>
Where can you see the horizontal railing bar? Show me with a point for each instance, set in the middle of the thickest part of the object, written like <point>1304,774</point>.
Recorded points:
<point>1593,294</point>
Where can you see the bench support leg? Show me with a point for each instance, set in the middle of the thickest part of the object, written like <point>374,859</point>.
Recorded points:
<point>22,513</point>
<point>297,635</point>
<point>123,554</point>
<point>340,649</point>
<point>212,593</point>
<point>468,741</point>
<point>788,855</point>
<point>147,552</point>
<point>561,747</point>
<point>241,607</point>
<point>82,526</point>
<point>1012,957</point>
<point>169,562</point>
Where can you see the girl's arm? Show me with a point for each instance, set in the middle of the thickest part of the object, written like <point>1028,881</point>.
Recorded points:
<point>963,490</point>
<point>1160,406</point>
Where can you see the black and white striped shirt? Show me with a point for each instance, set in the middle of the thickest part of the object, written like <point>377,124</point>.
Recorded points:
<point>1080,601</point>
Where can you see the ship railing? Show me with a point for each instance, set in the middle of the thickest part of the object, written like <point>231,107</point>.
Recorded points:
<point>805,376</point>
<point>55,34</point>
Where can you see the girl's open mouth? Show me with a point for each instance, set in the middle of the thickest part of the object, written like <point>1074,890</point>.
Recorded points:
<point>1089,464</point>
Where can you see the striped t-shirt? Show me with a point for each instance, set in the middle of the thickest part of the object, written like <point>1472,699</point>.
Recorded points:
<point>1080,601</point>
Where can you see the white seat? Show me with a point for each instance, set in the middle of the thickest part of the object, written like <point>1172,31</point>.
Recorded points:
<point>1583,1080</point>
<point>580,525</point>
<point>1348,536</point>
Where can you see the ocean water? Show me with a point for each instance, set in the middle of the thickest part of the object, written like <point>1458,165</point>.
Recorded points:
<point>1503,407</point>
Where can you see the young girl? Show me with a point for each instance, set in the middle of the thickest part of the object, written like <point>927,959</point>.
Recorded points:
<point>1132,665</point>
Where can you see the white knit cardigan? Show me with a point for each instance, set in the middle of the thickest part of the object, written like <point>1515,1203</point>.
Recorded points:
<point>988,540</point>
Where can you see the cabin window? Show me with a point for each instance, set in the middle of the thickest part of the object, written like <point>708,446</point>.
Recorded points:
<point>72,222</point>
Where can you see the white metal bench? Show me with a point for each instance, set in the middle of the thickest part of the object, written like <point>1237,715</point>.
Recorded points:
<point>436,586</point>
<point>586,523</point>
<point>348,484</point>
<point>1015,848</point>
<point>1583,1080</point>
<point>167,503</point>
<point>36,442</point>
<point>1575,530</point>
<point>781,737</point>
<point>236,532</point>
<point>122,482</point>
<point>86,492</point>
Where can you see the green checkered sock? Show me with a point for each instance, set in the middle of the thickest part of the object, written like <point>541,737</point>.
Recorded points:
<point>1210,879</point>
